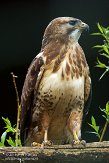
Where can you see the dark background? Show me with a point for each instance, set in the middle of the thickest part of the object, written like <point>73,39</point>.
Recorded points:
<point>22,24</point>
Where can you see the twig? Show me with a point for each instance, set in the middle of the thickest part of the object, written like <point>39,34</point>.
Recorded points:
<point>18,109</point>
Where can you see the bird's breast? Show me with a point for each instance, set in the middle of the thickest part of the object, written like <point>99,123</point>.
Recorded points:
<point>59,92</point>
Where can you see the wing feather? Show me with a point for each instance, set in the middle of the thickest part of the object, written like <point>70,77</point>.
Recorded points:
<point>32,78</point>
<point>87,93</point>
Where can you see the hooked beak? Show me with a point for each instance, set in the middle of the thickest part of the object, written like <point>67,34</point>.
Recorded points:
<point>84,26</point>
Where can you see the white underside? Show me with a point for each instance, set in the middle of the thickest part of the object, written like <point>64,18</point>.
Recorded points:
<point>69,88</point>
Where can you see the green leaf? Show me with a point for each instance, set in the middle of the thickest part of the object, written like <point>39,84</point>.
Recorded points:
<point>7,121</point>
<point>100,64</point>
<point>97,128</point>
<point>96,34</point>
<point>3,137</point>
<point>103,110</point>
<point>103,74</point>
<point>107,107</point>
<point>104,116</point>
<point>106,43</point>
<point>97,134</point>
<point>93,121</point>
<point>8,126</point>
<point>10,129</point>
<point>92,132</point>
<point>107,33</point>
<point>90,125</point>
<point>98,46</point>
<point>2,145</point>
<point>11,142</point>
<point>105,55</point>
<point>106,49</point>
<point>104,30</point>
<point>94,126</point>
<point>106,111</point>
<point>100,27</point>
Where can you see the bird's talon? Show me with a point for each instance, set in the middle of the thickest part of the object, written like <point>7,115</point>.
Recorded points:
<point>47,143</point>
<point>83,142</point>
<point>76,142</point>
<point>35,144</point>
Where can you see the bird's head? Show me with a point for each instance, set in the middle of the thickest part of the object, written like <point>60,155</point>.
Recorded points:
<point>64,28</point>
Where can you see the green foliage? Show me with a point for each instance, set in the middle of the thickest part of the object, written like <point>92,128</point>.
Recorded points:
<point>100,133</point>
<point>103,49</point>
<point>8,126</point>
<point>11,142</point>
<point>106,112</point>
<point>95,127</point>
<point>10,130</point>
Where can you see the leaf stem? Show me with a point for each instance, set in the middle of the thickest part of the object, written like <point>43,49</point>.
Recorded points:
<point>103,132</point>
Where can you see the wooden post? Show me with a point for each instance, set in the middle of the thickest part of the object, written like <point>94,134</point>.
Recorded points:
<point>92,152</point>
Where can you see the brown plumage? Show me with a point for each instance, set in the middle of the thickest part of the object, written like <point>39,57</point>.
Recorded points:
<point>57,86</point>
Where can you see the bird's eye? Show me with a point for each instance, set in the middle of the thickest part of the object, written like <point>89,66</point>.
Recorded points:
<point>72,22</point>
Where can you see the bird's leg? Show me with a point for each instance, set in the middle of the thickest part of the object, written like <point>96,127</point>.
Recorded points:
<point>46,136</point>
<point>45,120</point>
<point>74,125</point>
<point>45,125</point>
<point>46,141</point>
<point>76,137</point>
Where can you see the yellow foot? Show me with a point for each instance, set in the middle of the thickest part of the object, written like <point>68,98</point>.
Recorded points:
<point>35,144</point>
<point>47,143</point>
<point>76,142</point>
<point>44,143</point>
<point>83,142</point>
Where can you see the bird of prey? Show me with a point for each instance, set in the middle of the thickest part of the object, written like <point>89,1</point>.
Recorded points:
<point>57,87</point>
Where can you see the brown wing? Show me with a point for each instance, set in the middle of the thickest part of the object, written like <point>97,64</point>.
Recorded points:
<point>87,93</point>
<point>27,93</point>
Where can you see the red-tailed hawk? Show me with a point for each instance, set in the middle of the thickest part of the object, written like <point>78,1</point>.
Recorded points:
<point>57,86</point>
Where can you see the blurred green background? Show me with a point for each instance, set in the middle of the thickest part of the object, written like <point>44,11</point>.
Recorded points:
<point>22,24</point>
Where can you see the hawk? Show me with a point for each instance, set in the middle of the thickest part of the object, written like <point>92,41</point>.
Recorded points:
<point>57,87</point>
